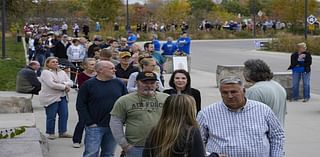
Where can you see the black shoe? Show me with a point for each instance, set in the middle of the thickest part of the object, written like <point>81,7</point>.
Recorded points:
<point>293,100</point>
<point>74,86</point>
<point>305,100</point>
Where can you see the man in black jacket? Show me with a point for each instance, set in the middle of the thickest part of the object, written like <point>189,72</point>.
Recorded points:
<point>61,47</point>
<point>27,81</point>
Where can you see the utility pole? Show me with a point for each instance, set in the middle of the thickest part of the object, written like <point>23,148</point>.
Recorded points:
<point>128,23</point>
<point>254,18</point>
<point>3,22</point>
<point>305,19</point>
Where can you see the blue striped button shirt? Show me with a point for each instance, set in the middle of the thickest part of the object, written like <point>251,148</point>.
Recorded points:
<point>253,131</point>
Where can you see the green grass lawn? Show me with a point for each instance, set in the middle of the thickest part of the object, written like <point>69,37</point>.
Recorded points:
<point>9,67</point>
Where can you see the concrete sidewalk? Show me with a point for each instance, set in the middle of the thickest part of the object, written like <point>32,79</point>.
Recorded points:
<point>302,122</point>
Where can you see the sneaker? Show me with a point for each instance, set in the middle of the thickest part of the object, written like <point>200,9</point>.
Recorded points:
<point>305,100</point>
<point>294,100</point>
<point>65,135</point>
<point>76,145</point>
<point>51,137</point>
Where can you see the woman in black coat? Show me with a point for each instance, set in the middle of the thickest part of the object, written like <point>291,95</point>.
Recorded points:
<point>180,83</point>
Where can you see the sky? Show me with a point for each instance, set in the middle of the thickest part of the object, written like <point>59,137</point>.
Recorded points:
<point>134,1</point>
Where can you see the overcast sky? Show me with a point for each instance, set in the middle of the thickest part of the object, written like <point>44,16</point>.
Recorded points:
<point>134,1</point>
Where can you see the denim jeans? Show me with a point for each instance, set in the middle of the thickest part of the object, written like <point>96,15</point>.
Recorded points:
<point>296,77</point>
<point>41,58</point>
<point>60,108</point>
<point>78,131</point>
<point>97,137</point>
<point>135,152</point>
<point>31,54</point>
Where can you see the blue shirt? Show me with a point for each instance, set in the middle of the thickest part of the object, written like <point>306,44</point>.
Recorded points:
<point>169,48</point>
<point>253,131</point>
<point>156,43</point>
<point>184,45</point>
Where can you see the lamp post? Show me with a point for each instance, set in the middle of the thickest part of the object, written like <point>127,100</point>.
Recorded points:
<point>3,22</point>
<point>254,18</point>
<point>305,19</point>
<point>127,13</point>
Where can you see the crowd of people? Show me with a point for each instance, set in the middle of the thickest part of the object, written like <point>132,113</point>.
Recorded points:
<point>122,99</point>
<point>238,26</point>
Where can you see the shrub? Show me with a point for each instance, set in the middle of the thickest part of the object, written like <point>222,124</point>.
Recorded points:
<point>287,43</point>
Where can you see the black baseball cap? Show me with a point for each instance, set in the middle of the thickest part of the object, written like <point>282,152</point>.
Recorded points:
<point>146,76</point>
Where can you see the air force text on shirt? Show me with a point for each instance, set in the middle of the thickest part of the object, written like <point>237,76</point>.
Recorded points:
<point>147,105</point>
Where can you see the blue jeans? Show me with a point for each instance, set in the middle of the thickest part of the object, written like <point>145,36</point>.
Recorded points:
<point>41,58</point>
<point>135,152</point>
<point>97,137</point>
<point>296,77</point>
<point>60,108</point>
<point>31,54</point>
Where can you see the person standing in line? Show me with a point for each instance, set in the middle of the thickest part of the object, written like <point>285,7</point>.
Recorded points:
<point>98,26</point>
<point>180,83</point>
<point>124,68</point>
<point>183,44</point>
<point>76,53</point>
<point>95,100</point>
<point>64,28</point>
<point>139,112</point>
<point>27,81</point>
<point>85,30</point>
<point>76,30</point>
<point>177,133</point>
<point>31,48</point>
<point>156,43</point>
<point>265,89</point>
<point>146,64</point>
<point>88,72</point>
<point>169,48</point>
<point>300,64</point>
<point>106,54</point>
<point>132,38</point>
<point>240,127</point>
<point>149,50</point>
<point>55,84</point>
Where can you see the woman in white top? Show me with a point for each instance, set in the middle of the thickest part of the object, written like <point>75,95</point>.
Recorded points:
<point>146,64</point>
<point>76,54</point>
<point>55,84</point>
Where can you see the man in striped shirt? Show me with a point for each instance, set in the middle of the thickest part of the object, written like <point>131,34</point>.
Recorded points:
<point>239,127</point>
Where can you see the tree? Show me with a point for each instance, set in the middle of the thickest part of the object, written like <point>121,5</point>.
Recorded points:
<point>199,8</point>
<point>138,13</point>
<point>174,11</point>
<point>104,10</point>
<point>235,8</point>
<point>292,10</point>
<point>16,8</point>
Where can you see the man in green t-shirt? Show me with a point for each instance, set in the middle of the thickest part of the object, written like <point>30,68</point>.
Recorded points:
<point>139,112</point>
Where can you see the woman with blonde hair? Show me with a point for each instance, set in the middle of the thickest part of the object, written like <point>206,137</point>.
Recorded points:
<point>177,133</point>
<point>55,84</point>
<point>146,64</point>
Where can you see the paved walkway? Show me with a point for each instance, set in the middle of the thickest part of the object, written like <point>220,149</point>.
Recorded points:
<point>302,125</point>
